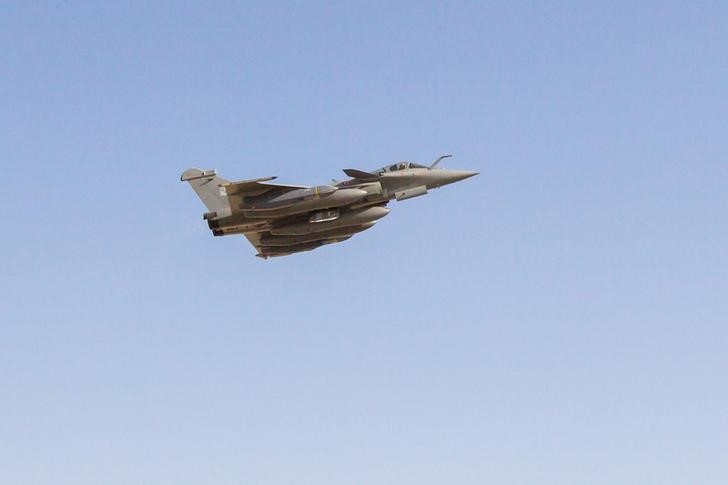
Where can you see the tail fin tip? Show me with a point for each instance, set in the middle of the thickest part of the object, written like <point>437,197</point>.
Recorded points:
<point>196,173</point>
<point>206,183</point>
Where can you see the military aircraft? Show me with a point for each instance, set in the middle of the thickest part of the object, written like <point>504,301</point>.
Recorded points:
<point>280,219</point>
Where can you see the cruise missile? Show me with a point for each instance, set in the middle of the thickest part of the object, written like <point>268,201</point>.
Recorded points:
<point>300,201</point>
<point>316,236</point>
<point>352,218</point>
<point>273,251</point>
<point>287,199</point>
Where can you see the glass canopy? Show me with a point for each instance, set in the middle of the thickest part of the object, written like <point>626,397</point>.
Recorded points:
<point>398,166</point>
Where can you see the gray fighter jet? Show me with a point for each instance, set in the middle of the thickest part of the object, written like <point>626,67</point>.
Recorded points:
<point>285,219</point>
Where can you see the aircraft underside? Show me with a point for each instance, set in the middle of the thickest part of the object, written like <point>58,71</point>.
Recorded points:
<point>280,220</point>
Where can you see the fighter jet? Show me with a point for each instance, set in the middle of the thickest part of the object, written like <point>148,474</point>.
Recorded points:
<point>280,220</point>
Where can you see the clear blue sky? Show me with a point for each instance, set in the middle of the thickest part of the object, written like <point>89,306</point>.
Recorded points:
<point>561,318</point>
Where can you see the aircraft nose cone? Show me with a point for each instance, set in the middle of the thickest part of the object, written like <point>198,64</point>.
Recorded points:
<point>445,177</point>
<point>458,175</point>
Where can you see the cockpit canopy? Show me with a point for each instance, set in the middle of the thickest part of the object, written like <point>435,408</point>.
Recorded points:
<point>398,166</point>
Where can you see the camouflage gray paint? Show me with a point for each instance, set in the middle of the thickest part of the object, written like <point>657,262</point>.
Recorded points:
<point>286,219</point>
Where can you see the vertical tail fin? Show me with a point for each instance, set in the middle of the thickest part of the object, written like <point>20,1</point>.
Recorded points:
<point>207,185</point>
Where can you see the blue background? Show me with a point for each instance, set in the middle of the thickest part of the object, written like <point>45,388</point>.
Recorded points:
<point>561,318</point>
